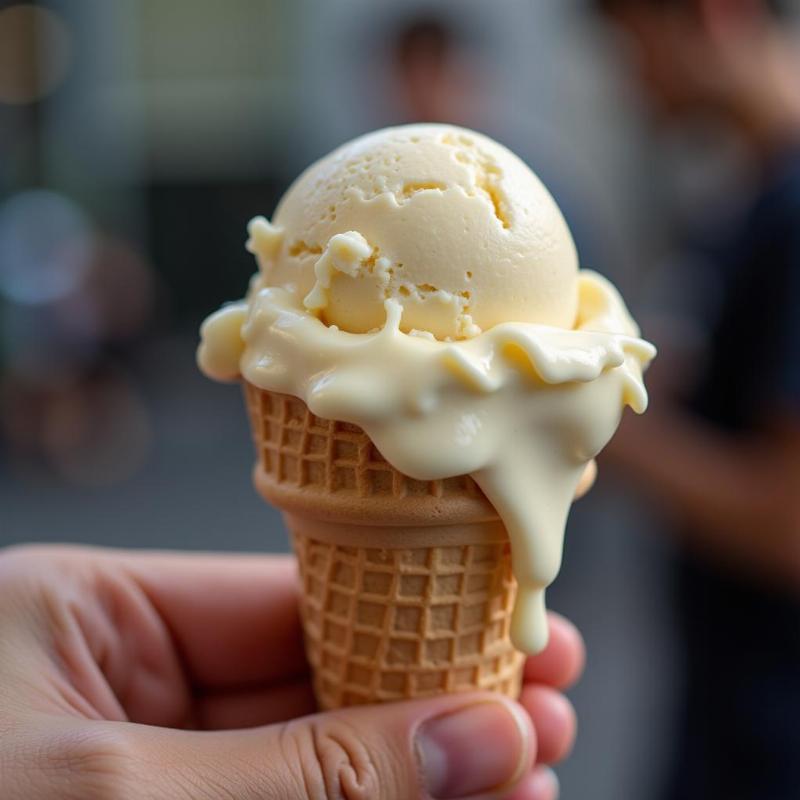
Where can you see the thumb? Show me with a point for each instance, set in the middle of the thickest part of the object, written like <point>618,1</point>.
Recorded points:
<point>445,747</point>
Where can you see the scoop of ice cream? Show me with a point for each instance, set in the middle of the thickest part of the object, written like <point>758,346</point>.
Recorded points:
<point>441,231</point>
<point>444,221</point>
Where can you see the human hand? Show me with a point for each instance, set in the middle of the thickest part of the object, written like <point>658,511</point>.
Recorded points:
<point>160,676</point>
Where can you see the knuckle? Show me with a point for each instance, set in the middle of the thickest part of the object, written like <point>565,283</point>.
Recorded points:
<point>334,762</point>
<point>28,584</point>
<point>20,559</point>
<point>25,560</point>
<point>34,576</point>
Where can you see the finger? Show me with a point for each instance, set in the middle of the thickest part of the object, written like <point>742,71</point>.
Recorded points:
<point>452,746</point>
<point>561,663</point>
<point>138,635</point>
<point>249,708</point>
<point>553,718</point>
<point>587,479</point>
<point>541,784</point>
<point>233,618</point>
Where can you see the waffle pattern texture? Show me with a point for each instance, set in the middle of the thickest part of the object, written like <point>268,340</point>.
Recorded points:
<point>394,614</point>
<point>386,625</point>
<point>330,457</point>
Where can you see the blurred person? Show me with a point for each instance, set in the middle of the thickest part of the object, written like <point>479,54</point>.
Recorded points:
<point>725,462</point>
<point>434,72</point>
<point>166,675</point>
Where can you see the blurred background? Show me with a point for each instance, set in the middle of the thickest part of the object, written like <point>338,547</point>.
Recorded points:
<point>138,137</point>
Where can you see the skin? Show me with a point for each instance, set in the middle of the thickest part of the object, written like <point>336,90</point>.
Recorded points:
<point>159,675</point>
<point>738,495</point>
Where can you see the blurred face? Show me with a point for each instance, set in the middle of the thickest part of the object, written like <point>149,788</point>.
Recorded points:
<point>422,73</point>
<point>436,82</point>
<point>674,59</point>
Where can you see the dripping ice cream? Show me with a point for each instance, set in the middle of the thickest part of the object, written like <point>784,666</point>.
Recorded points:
<point>421,283</point>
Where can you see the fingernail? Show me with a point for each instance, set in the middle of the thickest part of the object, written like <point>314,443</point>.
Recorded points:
<point>479,748</point>
<point>545,783</point>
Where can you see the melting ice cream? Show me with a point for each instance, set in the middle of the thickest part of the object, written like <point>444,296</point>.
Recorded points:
<point>421,283</point>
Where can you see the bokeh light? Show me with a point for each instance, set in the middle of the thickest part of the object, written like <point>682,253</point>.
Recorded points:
<point>45,246</point>
<point>35,53</point>
<point>99,432</point>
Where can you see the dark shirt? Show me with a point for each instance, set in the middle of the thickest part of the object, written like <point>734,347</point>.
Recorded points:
<point>740,738</point>
<point>755,350</point>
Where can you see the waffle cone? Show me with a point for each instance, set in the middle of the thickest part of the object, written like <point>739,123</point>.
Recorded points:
<point>407,584</point>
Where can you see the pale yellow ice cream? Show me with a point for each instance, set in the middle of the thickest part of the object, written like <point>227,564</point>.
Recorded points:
<point>448,223</point>
<point>520,388</point>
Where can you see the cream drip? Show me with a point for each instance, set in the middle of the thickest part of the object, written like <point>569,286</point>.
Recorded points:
<point>521,407</point>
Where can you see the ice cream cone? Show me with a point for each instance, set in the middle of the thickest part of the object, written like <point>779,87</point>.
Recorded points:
<point>407,584</point>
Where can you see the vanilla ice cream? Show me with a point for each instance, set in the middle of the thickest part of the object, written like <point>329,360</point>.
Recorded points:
<point>421,283</point>
<point>448,223</point>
